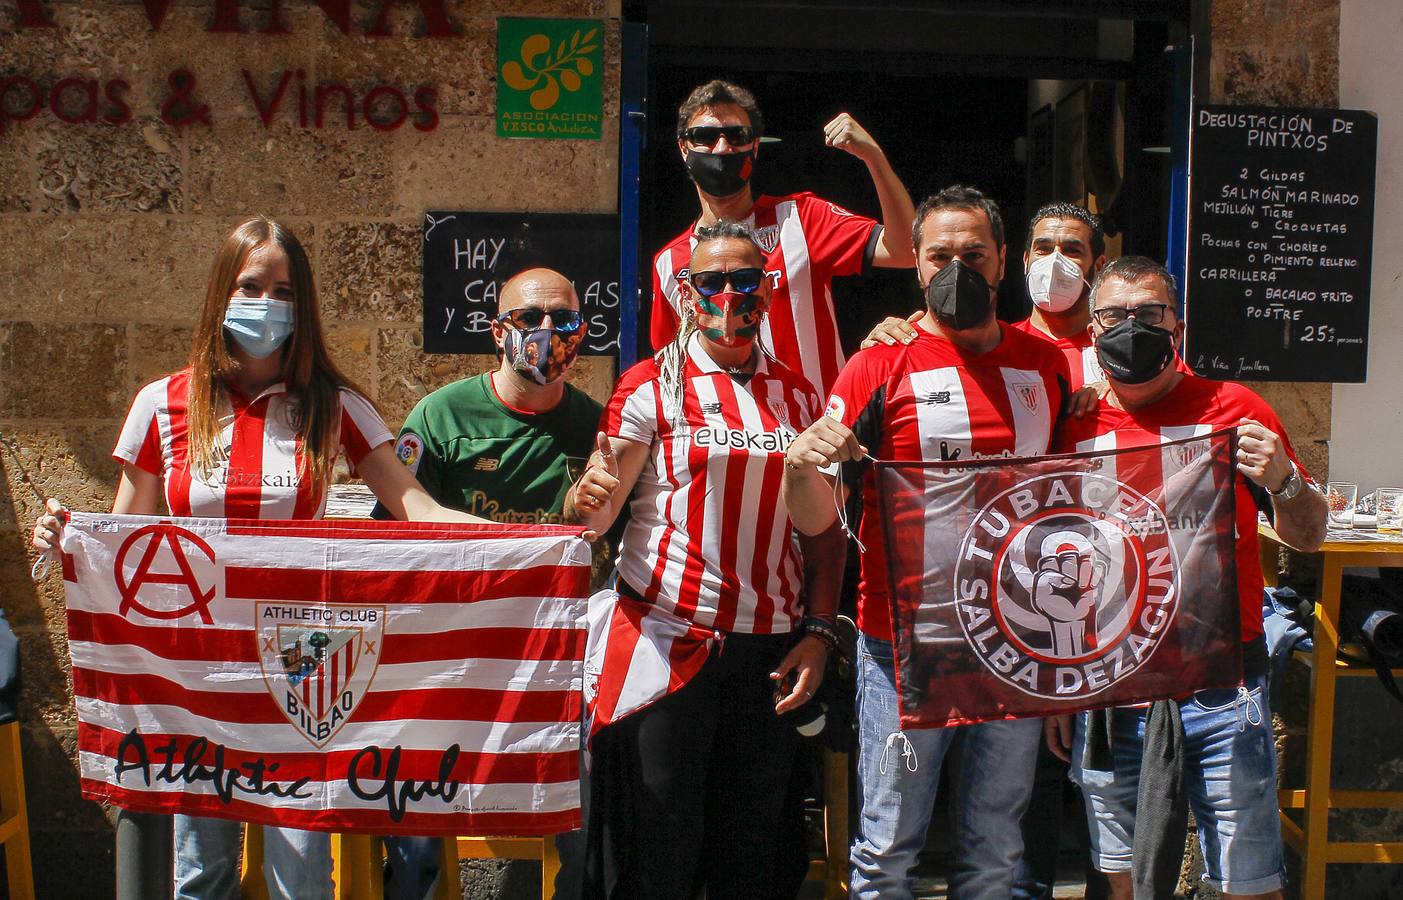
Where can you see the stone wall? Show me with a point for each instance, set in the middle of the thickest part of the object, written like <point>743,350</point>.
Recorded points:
<point>107,231</point>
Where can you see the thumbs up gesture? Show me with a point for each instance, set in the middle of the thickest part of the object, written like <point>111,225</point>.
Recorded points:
<point>596,487</point>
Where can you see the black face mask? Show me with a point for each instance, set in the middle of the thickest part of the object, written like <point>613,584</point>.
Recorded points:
<point>720,174</point>
<point>959,296</point>
<point>1132,353</point>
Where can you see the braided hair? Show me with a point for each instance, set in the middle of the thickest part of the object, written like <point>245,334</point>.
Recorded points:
<point>672,359</point>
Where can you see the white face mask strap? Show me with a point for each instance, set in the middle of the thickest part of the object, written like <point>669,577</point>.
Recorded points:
<point>40,570</point>
<point>840,506</point>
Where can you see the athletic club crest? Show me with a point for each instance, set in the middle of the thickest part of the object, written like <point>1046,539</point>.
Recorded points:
<point>1030,393</point>
<point>781,411</point>
<point>1066,583</point>
<point>318,661</point>
<point>767,238</point>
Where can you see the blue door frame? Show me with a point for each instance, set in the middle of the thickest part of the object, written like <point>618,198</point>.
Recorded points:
<point>633,131</point>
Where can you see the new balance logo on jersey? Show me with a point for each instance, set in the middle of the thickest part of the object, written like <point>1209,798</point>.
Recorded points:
<point>776,441</point>
<point>711,409</point>
<point>935,397</point>
<point>486,464</point>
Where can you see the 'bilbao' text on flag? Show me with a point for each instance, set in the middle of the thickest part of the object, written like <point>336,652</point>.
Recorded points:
<point>394,678</point>
<point>1033,587</point>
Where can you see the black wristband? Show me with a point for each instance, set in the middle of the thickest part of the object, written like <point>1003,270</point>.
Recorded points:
<point>822,629</point>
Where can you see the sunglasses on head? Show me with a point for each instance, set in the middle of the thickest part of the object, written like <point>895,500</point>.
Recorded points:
<point>746,281</point>
<point>708,135</point>
<point>529,318</point>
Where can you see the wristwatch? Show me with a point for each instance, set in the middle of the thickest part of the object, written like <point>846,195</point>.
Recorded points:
<point>1290,487</point>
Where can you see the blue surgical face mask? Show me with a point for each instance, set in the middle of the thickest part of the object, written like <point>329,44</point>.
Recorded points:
<point>259,324</point>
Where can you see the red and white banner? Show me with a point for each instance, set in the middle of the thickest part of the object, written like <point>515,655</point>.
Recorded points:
<point>394,678</point>
<point>1031,587</point>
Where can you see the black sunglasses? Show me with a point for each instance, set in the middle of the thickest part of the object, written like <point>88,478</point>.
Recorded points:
<point>529,318</point>
<point>708,135</point>
<point>747,281</point>
<point>1146,314</point>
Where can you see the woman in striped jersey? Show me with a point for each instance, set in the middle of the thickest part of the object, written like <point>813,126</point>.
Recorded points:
<point>718,626</point>
<point>251,429</point>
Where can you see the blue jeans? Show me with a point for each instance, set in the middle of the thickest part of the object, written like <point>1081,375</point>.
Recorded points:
<point>1230,774</point>
<point>898,774</point>
<point>296,864</point>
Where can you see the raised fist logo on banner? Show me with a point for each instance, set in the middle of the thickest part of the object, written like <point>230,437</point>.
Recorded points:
<point>1067,590</point>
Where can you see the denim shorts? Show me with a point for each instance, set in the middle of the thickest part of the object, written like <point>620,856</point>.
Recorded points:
<point>1230,776</point>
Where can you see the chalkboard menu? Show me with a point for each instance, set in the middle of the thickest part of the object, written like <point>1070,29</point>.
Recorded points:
<point>468,256</point>
<point>1281,227</point>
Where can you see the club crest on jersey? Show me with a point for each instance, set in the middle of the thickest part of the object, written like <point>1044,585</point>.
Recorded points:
<point>1066,584</point>
<point>767,238</point>
<point>318,660</point>
<point>410,449</point>
<point>780,409</point>
<point>835,409</point>
<point>1030,392</point>
<point>1185,453</point>
<point>173,573</point>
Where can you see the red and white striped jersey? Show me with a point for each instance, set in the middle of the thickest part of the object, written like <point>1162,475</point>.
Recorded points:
<point>807,242</point>
<point>1080,350</point>
<point>931,400</point>
<point>1195,406</point>
<point>709,538</point>
<point>259,477</point>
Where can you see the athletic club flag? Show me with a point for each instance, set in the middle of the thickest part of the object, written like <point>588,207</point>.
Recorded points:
<point>392,678</point>
<point>1032,587</point>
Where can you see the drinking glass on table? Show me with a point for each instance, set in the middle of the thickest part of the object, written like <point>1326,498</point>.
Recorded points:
<point>1388,506</point>
<point>1341,496</point>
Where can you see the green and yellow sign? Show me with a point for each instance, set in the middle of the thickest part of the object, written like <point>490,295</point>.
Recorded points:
<point>550,78</point>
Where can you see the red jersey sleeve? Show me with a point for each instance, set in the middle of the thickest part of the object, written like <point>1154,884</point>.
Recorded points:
<point>362,429</point>
<point>662,322</point>
<point>859,399</point>
<point>1241,402</point>
<point>139,444</point>
<point>632,413</point>
<point>837,239</point>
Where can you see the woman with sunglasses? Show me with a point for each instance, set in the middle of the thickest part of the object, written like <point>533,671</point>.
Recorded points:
<point>718,627</point>
<point>252,428</point>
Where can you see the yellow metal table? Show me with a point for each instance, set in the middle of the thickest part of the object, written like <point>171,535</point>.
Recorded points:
<point>1311,838</point>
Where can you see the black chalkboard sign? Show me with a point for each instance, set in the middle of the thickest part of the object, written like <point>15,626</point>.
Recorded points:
<point>469,255</point>
<point>1281,229</point>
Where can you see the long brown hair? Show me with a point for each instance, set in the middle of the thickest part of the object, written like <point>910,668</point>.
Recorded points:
<point>312,379</point>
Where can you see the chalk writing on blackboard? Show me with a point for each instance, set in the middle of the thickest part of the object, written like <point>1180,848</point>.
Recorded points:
<point>469,256</point>
<point>1281,206</point>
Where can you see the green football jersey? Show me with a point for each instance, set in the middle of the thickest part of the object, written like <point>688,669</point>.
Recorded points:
<point>473,452</point>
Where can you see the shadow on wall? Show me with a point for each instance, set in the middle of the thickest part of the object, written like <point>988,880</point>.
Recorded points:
<point>71,838</point>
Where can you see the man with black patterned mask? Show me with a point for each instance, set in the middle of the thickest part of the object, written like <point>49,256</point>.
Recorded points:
<point>499,443</point>
<point>807,241</point>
